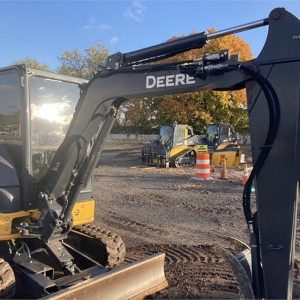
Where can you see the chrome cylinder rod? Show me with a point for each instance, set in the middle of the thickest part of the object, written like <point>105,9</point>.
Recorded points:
<point>180,45</point>
<point>237,29</point>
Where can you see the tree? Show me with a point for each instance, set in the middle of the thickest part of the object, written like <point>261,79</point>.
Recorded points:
<point>32,63</point>
<point>141,114</point>
<point>201,108</point>
<point>83,64</point>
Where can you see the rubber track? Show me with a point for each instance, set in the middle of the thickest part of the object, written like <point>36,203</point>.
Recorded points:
<point>7,280</point>
<point>113,243</point>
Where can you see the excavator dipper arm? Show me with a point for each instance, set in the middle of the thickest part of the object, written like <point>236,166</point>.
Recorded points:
<point>272,81</point>
<point>72,164</point>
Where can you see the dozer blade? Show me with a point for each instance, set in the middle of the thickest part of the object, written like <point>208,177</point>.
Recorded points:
<point>133,281</point>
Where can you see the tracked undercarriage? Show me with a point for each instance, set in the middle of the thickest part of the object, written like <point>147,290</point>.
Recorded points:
<point>101,245</point>
<point>92,256</point>
<point>157,155</point>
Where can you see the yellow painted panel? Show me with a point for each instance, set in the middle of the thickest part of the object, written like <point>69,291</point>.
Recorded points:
<point>83,212</point>
<point>201,148</point>
<point>176,150</point>
<point>6,219</point>
<point>232,158</point>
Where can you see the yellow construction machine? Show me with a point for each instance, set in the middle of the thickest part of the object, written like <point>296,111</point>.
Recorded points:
<point>80,259</point>
<point>177,146</point>
<point>53,129</point>
<point>222,142</point>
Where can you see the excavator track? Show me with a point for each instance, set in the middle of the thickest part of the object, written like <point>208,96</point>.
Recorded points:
<point>103,246</point>
<point>186,158</point>
<point>7,280</point>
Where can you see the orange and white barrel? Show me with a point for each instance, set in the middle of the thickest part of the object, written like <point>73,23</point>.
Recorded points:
<point>202,166</point>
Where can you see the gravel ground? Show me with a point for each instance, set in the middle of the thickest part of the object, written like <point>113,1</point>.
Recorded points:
<point>157,209</point>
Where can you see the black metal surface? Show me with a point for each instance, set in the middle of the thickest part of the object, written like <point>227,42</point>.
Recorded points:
<point>9,184</point>
<point>32,284</point>
<point>62,256</point>
<point>42,269</point>
<point>81,253</point>
<point>171,48</point>
<point>166,49</point>
<point>277,182</point>
<point>70,280</point>
<point>240,273</point>
<point>33,265</point>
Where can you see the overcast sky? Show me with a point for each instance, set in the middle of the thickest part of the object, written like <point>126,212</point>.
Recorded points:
<point>44,29</point>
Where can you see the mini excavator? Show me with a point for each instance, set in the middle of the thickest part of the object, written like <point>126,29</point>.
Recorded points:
<point>45,256</point>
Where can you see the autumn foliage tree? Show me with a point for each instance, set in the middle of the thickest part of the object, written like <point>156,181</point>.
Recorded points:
<point>200,108</point>
<point>196,109</point>
<point>32,63</point>
<point>83,63</point>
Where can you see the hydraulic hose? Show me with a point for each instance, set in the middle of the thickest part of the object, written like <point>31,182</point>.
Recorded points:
<point>274,119</point>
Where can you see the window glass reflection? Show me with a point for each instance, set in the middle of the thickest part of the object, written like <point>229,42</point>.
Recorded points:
<point>9,105</point>
<point>166,134</point>
<point>52,104</point>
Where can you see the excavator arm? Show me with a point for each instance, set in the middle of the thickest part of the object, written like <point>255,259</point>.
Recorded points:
<point>272,81</point>
<point>73,163</point>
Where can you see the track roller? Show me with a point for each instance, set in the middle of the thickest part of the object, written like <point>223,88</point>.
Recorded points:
<point>101,245</point>
<point>7,280</point>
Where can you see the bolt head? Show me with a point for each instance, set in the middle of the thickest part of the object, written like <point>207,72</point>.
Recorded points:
<point>276,14</point>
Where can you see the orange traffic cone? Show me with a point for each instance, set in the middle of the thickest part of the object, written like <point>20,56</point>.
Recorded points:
<point>202,166</point>
<point>245,175</point>
<point>224,174</point>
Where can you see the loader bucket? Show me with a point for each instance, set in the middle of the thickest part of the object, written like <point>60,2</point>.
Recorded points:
<point>132,281</point>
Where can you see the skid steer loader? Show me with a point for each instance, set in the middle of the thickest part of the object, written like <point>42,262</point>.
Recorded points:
<point>177,146</point>
<point>222,142</point>
<point>51,258</point>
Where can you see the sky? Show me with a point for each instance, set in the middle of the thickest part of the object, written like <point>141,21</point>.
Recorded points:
<point>45,29</point>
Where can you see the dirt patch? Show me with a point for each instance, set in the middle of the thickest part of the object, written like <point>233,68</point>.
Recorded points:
<point>192,271</point>
<point>165,210</point>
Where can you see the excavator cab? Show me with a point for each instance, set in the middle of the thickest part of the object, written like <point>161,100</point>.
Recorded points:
<point>218,134</point>
<point>166,134</point>
<point>212,136</point>
<point>36,110</point>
